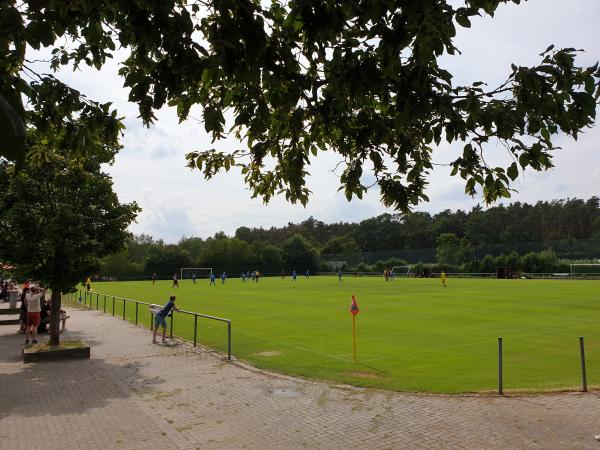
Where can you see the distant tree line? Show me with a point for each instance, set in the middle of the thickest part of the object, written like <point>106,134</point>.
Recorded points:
<point>466,240</point>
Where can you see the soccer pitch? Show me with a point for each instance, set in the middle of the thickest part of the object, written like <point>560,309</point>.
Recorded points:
<point>412,334</point>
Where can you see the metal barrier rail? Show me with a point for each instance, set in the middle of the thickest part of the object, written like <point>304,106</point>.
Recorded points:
<point>87,299</point>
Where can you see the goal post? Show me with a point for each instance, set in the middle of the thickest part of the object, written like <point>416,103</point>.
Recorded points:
<point>401,270</point>
<point>187,272</point>
<point>581,269</point>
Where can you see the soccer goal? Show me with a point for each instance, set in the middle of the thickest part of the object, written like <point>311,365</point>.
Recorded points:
<point>201,272</point>
<point>401,270</point>
<point>583,270</point>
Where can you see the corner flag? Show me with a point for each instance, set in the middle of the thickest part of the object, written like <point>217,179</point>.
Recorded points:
<point>354,306</point>
<point>354,311</point>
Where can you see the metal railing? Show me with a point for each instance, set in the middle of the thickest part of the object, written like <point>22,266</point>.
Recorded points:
<point>87,299</point>
<point>584,381</point>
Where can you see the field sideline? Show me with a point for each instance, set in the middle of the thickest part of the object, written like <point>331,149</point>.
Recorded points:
<point>412,334</point>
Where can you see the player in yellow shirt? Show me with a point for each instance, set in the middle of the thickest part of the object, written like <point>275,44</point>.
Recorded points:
<point>443,278</point>
<point>88,284</point>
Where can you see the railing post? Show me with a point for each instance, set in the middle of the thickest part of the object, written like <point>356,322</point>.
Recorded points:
<point>113,313</point>
<point>104,302</point>
<point>583,372</point>
<point>80,300</point>
<point>195,327</point>
<point>124,302</point>
<point>228,340</point>
<point>97,297</point>
<point>136,312</point>
<point>500,366</point>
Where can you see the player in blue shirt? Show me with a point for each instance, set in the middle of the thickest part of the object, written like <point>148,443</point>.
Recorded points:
<point>223,276</point>
<point>212,279</point>
<point>194,277</point>
<point>294,274</point>
<point>243,277</point>
<point>159,318</point>
<point>340,275</point>
<point>307,275</point>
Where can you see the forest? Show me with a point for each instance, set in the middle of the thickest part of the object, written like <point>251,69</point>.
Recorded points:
<point>539,237</point>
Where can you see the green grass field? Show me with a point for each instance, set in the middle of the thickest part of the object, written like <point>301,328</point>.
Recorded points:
<point>412,335</point>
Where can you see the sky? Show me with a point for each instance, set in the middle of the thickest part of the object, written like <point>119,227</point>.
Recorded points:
<point>178,202</point>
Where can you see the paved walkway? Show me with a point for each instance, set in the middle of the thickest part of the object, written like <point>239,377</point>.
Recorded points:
<point>135,395</point>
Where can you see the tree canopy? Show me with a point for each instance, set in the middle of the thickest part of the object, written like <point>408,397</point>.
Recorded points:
<point>291,79</point>
<point>58,218</point>
<point>58,212</point>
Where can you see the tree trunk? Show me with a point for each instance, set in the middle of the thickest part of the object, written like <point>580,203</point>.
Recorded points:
<point>55,302</point>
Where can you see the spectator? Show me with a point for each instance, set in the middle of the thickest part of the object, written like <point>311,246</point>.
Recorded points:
<point>161,316</point>
<point>13,295</point>
<point>23,310</point>
<point>45,314</point>
<point>4,291</point>
<point>32,299</point>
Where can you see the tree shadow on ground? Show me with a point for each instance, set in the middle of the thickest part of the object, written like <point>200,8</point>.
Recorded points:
<point>78,385</point>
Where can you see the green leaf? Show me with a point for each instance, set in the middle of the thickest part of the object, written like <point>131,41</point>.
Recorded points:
<point>463,20</point>
<point>513,171</point>
<point>545,134</point>
<point>206,76</point>
<point>550,47</point>
<point>12,130</point>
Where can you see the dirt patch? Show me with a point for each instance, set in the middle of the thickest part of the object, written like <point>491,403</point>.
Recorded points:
<point>269,353</point>
<point>370,375</point>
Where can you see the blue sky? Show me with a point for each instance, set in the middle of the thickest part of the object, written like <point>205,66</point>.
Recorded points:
<point>176,201</point>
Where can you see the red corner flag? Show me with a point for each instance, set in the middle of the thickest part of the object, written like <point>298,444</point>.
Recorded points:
<point>354,306</point>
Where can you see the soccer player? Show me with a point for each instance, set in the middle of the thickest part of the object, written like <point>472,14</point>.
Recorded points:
<point>154,278</point>
<point>175,281</point>
<point>159,319</point>
<point>340,274</point>
<point>307,274</point>
<point>88,284</point>
<point>243,277</point>
<point>294,275</point>
<point>194,277</point>
<point>223,276</point>
<point>212,279</point>
<point>443,278</point>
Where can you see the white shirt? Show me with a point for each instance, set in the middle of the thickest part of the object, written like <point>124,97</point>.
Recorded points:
<point>33,302</point>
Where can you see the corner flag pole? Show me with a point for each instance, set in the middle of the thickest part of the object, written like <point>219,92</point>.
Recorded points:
<point>353,337</point>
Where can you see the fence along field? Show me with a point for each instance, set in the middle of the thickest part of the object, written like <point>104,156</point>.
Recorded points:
<point>412,335</point>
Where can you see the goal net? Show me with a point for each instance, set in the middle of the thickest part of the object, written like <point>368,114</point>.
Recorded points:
<point>201,272</point>
<point>401,270</point>
<point>585,270</point>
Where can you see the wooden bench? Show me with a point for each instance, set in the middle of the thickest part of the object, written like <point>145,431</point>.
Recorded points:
<point>9,311</point>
